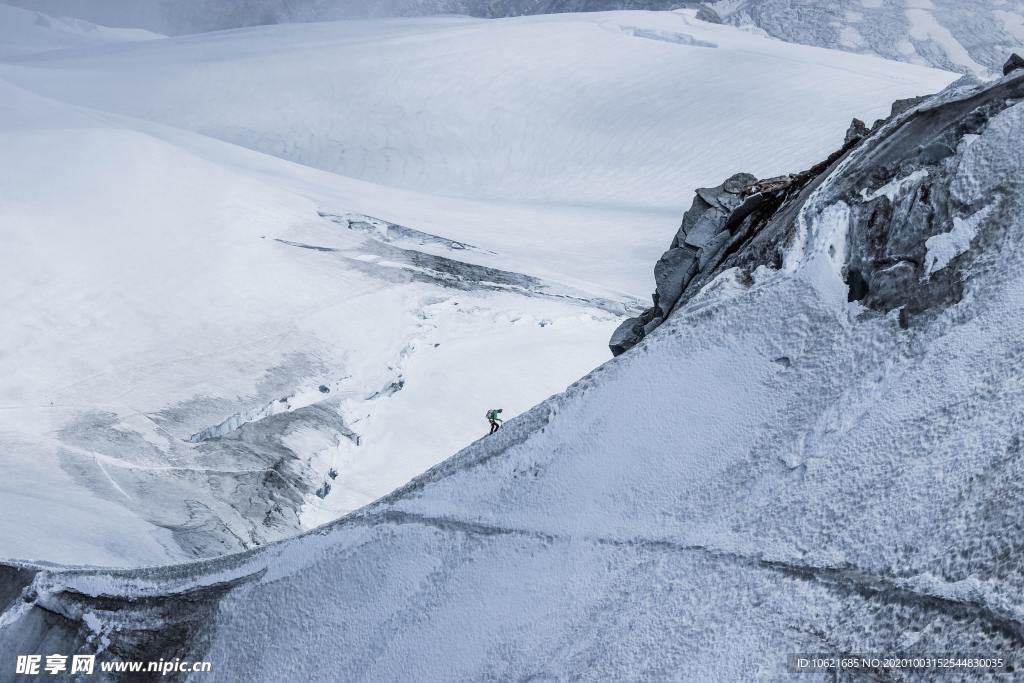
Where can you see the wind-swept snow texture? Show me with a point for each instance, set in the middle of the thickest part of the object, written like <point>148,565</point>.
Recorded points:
<point>23,32</point>
<point>775,470</point>
<point>529,136</point>
<point>189,350</point>
<point>968,36</point>
<point>206,347</point>
<point>195,16</point>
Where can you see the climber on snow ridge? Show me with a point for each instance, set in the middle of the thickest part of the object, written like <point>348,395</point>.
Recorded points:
<point>492,417</point>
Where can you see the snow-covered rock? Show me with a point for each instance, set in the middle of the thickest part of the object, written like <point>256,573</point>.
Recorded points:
<point>969,36</point>
<point>1014,62</point>
<point>782,467</point>
<point>894,191</point>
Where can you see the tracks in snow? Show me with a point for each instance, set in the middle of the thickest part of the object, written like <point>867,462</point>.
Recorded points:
<point>71,593</point>
<point>846,579</point>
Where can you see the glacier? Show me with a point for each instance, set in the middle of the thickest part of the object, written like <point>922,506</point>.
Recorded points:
<point>795,461</point>
<point>967,36</point>
<point>250,291</point>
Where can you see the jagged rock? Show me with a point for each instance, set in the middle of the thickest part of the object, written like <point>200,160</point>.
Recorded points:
<point>900,106</point>
<point>706,13</point>
<point>631,331</point>
<point>888,283</point>
<point>739,183</point>
<point>690,218</point>
<point>716,196</point>
<point>707,226</point>
<point>672,273</point>
<point>1013,63</point>
<point>706,231</point>
<point>627,335</point>
<point>751,204</point>
<point>893,198</point>
<point>772,184</point>
<point>855,132</point>
<point>935,152</point>
<point>649,327</point>
<point>713,247</point>
<point>703,234</point>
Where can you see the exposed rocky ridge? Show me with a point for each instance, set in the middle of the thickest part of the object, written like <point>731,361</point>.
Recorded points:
<point>721,221</point>
<point>897,199</point>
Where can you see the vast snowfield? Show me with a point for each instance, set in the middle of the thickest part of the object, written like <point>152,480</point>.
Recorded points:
<point>236,264</point>
<point>966,36</point>
<point>527,135</point>
<point>25,32</point>
<point>154,294</point>
<point>775,470</point>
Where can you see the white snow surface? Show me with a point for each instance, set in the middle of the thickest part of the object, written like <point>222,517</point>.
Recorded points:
<point>695,509</point>
<point>944,247</point>
<point>151,299</point>
<point>26,32</point>
<point>167,272</point>
<point>546,128</point>
<point>896,186</point>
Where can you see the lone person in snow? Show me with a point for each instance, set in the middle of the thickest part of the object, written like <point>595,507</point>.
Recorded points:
<point>492,417</point>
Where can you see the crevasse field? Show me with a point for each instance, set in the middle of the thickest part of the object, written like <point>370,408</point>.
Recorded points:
<point>256,279</point>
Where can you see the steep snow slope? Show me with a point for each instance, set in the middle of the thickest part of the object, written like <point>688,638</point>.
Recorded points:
<point>200,335</point>
<point>189,350</point>
<point>592,127</point>
<point>969,36</point>
<point>775,470</point>
<point>23,32</point>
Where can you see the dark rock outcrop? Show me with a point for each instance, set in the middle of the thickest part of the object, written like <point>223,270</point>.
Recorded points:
<point>708,14</point>
<point>704,233</point>
<point>900,106</point>
<point>855,132</point>
<point>1013,63</point>
<point>977,30</point>
<point>894,195</point>
<point>721,220</point>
